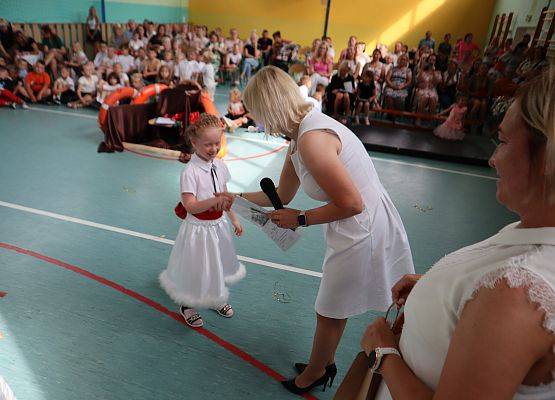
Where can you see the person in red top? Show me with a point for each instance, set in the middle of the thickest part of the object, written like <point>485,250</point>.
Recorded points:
<point>37,84</point>
<point>467,52</point>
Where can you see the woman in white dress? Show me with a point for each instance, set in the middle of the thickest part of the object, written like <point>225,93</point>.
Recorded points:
<point>367,247</point>
<point>481,323</point>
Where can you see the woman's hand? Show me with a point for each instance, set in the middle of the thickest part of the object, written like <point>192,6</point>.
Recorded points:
<point>229,196</point>
<point>403,287</point>
<point>378,334</point>
<point>285,218</point>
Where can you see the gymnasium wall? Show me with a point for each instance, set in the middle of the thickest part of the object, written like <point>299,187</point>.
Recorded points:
<point>372,21</point>
<point>525,14</point>
<point>62,11</point>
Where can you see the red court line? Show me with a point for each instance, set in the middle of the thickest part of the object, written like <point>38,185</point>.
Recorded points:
<point>157,306</point>
<point>264,154</point>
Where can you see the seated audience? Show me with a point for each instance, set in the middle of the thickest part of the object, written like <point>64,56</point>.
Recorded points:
<point>397,80</point>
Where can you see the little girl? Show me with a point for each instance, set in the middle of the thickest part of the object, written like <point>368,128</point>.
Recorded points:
<point>203,259</point>
<point>452,128</point>
<point>64,88</point>
<point>366,93</point>
<point>236,110</point>
<point>165,76</point>
<point>106,88</point>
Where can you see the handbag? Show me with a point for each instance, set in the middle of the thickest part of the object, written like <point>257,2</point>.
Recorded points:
<point>361,383</point>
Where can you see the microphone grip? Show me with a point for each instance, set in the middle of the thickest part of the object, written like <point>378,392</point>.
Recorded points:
<point>269,189</point>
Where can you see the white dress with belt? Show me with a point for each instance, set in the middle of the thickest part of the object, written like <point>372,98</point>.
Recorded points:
<point>366,254</point>
<point>523,257</point>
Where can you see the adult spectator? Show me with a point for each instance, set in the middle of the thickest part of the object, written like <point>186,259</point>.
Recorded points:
<point>447,89</point>
<point>156,41</point>
<point>53,49</point>
<point>481,323</point>
<point>351,43</point>
<point>468,51</point>
<point>233,40</point>
<point>444,52</point>
<point>366,242</point>
<point>92,29</point>
<point>265,45</point>
<point>7,39</point>
<point>427,80</point>
<point>331,50</point>
<point>131,26</point>
<point>398,80</point>
<point>341,91</point>
<point>320,67</point>
<point>427,41</point>
<point>119,38</point>
<point>251,56</point>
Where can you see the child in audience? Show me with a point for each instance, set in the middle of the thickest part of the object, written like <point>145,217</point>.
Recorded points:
<point>203,261</point>
<point>140,60</point>
<point>168,60</point>
<point>64,88</point>
<point>208,74</point>
<point>37,84</point>
<point>86,88</point>
<point>165,76</point>
<point>151,67</point>
<point>77,57</point>
<point>452,128</point>
<point>106,88</point>
<point>126,60</point>
<point>305,84</point>
<point>122,76</point>
<point>366,95</point>
<point>236,110</point>
<point>137,81</point>
<point>136,43</point>
<point>7,86</point>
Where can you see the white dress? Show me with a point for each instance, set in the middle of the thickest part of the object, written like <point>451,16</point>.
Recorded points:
<point>203,259</point>
<point>524,257</point>
<point>366,254</point>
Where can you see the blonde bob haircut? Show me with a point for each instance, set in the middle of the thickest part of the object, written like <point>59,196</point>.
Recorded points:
<point>537,105</point>
<point>274,99</point>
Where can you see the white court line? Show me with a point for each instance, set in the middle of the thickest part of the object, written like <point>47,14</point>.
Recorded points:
<point>452,171</point>
<point>435,168</point>
<point>149,237</point>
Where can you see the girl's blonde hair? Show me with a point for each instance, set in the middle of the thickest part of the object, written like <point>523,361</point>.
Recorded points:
<point>204,121</point>
<point>235,93</point>
<point>537,106</point>
<point>274,99</point>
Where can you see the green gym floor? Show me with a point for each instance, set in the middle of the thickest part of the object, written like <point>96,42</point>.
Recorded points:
<point>84,236</point>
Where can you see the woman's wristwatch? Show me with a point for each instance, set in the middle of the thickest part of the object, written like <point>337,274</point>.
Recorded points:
<point>377,355</point>
<point>301,219</point>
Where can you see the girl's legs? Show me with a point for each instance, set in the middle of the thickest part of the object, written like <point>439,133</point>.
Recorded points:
<point>358,108</point>
<point>336,103</point>
<point>366,112</point>
<point>346,105</point>
<point>326,339</point>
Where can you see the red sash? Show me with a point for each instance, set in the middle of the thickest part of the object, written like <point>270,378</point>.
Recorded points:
<point>205,215</point>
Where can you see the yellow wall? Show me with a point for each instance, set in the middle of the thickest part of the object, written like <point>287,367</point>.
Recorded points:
<point>370,20</point>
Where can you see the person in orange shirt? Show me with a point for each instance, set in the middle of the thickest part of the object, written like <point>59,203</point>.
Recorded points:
<point>37,84</point>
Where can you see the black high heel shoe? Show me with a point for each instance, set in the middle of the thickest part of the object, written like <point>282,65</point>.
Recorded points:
<point>293,388</point>
<point>330,369</point>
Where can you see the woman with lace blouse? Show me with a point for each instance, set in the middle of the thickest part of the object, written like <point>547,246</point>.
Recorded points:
<point>480,324</point>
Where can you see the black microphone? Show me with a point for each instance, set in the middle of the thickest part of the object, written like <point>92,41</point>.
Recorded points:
<point>268,187</point>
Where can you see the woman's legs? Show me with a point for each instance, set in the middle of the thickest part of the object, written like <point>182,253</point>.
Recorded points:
<point>337,103</point>
<point>326,339</point>
<point>346,105</point>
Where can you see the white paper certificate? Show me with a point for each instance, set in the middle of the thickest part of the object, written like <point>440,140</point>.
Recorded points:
<point>284,238</point>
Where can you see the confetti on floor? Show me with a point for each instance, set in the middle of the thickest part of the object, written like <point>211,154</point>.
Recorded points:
<point>422,208</point>
<point>279,294</point>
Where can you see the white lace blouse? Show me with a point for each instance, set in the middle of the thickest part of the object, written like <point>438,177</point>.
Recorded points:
<point>524,257</point>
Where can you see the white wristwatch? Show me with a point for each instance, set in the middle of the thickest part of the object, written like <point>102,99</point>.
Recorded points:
<point>377,355</point>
